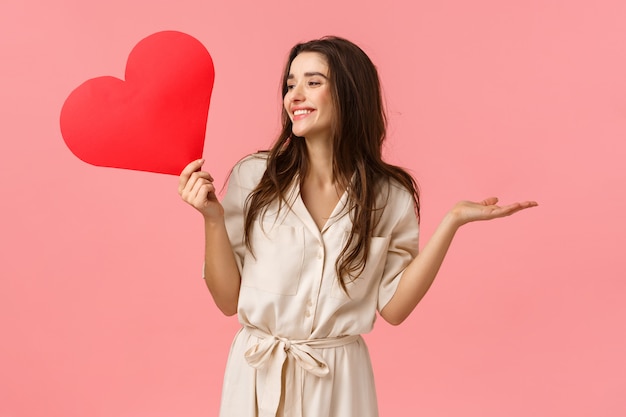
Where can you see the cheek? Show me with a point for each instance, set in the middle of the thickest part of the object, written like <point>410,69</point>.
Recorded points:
<point>286,106</point>
<point>327,99</point>
<point>330,106</point>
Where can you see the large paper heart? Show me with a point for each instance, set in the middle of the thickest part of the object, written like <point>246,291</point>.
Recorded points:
<point>155,119</point>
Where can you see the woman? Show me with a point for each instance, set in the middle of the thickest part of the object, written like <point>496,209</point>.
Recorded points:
<point>315,236</point>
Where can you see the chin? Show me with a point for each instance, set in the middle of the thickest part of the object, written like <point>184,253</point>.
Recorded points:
<point>299,132</point>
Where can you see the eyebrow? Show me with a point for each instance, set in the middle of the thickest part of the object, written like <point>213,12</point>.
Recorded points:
<point>308,74</point>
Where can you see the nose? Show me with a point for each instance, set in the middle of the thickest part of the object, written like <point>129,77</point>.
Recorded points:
<point>295,94</point>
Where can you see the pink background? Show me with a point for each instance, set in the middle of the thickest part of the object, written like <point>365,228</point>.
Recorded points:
<point>102,308</point>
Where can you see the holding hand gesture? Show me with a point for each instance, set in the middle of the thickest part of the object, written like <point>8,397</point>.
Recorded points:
<point>197,189</point>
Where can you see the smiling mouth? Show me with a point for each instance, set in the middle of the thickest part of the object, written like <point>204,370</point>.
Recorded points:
<point>302,112</point>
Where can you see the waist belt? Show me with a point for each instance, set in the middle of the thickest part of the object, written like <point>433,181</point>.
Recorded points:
<point>269,356</point>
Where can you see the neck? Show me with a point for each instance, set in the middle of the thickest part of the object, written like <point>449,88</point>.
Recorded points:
<point>320,162</point>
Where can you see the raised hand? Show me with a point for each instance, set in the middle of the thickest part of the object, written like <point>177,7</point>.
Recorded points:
<point>421,272</point>
<point>468,211</point>
<point>197,189</point>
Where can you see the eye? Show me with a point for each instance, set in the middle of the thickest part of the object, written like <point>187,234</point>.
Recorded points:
<point>314,83</point>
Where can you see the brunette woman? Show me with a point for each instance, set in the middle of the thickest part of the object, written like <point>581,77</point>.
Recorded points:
<point>313,238</point>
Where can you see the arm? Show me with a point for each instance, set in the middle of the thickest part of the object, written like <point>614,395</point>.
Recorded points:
<point>421,272</point>
<point>221,273</point>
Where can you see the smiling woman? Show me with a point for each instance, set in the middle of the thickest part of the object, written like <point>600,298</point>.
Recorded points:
<point>313,238</point>
<point>308,100</point>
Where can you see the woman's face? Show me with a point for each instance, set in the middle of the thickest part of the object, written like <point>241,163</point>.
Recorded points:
<point>308,101</point>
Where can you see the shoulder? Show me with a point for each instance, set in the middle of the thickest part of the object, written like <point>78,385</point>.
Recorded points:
<point>392,193</point>
<point>396,204</point>
<point>253,162</point>
<point>248,171</point>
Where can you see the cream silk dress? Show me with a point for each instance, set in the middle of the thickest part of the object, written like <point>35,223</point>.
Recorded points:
<point>299,352</point>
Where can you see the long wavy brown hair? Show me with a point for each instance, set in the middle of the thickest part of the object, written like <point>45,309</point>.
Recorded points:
<point>358,133</point>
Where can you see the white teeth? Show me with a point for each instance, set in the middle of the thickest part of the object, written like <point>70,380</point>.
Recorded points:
<point>299,112</point>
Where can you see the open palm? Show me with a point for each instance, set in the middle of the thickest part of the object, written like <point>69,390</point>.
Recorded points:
<point>487,209</point>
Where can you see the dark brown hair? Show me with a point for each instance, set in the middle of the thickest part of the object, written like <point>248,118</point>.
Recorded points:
<point>358,132</point>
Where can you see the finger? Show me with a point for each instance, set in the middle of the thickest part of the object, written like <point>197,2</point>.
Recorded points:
<point>201,191</point>
<point>510,207</point>
<point>515,207</point>
<point>193,179</point>
<point>489,201</point>
<point>187,171</point>
<point>201,174</point>
<point>199,194</point>
<point>187,191</point>
<point>199,183</point>
<point>205,193</point>
<point>523,205</point>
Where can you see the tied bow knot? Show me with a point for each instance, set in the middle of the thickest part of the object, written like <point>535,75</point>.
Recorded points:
<point>287,344</point>
<point>269,355</point>
<point>274,350</point>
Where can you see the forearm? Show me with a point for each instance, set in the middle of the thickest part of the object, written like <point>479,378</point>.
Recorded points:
<point>220,268</point>
<point>421,272</point>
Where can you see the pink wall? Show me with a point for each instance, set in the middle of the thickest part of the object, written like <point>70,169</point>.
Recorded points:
<point>102,308</point>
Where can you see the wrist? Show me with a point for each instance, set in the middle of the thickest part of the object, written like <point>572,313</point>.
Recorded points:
<point>211,222</point>
<point>454,218</point>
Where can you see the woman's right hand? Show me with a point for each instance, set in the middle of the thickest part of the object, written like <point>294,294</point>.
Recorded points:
<point>197,189</point>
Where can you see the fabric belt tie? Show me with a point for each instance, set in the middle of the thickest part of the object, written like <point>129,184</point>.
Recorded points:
<point>270,354</point>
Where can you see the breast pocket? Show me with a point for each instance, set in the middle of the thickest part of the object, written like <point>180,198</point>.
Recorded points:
<point>366,283</point>
<point>276,263</point>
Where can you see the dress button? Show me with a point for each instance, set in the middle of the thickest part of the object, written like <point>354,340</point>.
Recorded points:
<point>307,313</point>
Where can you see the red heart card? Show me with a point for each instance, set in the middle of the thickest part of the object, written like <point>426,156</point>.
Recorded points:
<point>155,119</point>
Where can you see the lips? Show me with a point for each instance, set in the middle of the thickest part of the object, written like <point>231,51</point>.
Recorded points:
<point>301,113</point>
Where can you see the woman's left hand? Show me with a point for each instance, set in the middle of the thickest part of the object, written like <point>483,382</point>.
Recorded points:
<point>467,211</point>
